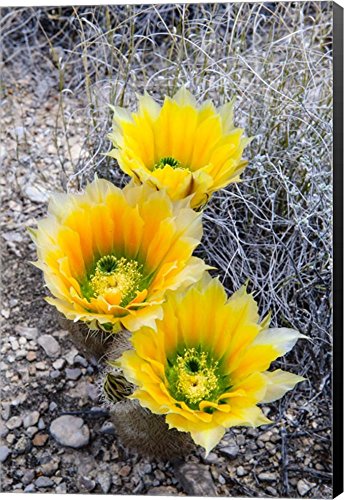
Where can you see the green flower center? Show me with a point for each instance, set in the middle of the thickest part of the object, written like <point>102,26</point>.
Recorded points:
<point>194,376</point>
<point>115,275</point>
<point>167,160</point>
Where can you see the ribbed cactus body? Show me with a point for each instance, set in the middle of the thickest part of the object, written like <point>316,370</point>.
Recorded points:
<point>147,434</point>
<point>138,429</point>
<point>90,342</point>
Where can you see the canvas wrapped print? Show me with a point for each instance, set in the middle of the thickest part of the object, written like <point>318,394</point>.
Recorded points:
<point>172,249</point>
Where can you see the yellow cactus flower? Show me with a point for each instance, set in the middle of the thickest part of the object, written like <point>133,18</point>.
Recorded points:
<point>182,147</point>
<point>109,255</point>
<point>205,367</point>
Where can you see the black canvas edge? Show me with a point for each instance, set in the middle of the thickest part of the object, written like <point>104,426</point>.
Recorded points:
<point>337,384</point>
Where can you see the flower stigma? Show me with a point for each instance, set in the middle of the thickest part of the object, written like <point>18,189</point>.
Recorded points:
<point>167,161</point>
<point>194,377</point>
<point>116,275</point>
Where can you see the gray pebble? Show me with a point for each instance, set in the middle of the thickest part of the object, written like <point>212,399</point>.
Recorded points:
<point>196,479</point>
<point>61,488</point>
<point>147,468</point>
<point>43,482</point>
<point>240,472</point>
<point>50,345</point>
<point>3,429</point>
<point>240,439</point>
<point>31,419</point>
<point>212,458</point>
<point>30,488</point>
<point>163,491</point>
<point>6,411</point>
<point>31,431</point>
<point>73,373</point>
<point>267,476</point>
<point>52,406</point>
<point>14,422</point>
<point>104,479</point>
<point>80,360</point>
<point>59,364</point>
<point>28,477</point>
<point>304,486</point>
<point>92,392</point>
<point>231,451</point>
<point>27,332</point>
<point>41,424</point>
<point>71,355</point>
<point>4,453</point>
<point>107,428</point>
<point>86,484</point>
<point>54,374</point>
<point>23,445</point>
<point>70,431</point>
<point>50,466</point>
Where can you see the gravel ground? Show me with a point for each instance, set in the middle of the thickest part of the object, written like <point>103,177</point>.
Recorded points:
<point>55,435</point>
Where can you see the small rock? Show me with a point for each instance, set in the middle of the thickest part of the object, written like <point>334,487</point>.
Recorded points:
<point>272,491</point>
<point>92,392</point>
<point>61,488</point>
<point>3,429</point>
<point>11,438</point>
<point>266,436</point>
<point>240,439</point>
<point>59,364</point>
<point>107,428</point>
<point>163,491</point>
<point>50,345</point>
<point>6,411</point>
<point>14,423</point>
<point>124,471</point>
<point>240,472</point>
<point>73,373</point>
<point>4,453</point>
<point>252,432</point>
<point>41,365</point>
<point>86,484</point>
<point>30,488</point>
<point>70,431</point>
<point>267,476</point>
<point>231,451</point>
<point>41,424</point>
<point>221,479</point>
<point>31,419</point>
<point>23,445</point>
<point>212,458</point>
<point>50,467</point>
<point>27,332</point>
<point>43,482</point>
<point>14,343</point>
<point>31,431</point>
<point>54,374</point>
<point>196,479</point>
<point>80,360</point>
<point>52,406</point>
<point>31,356</point>
<point>104,480</point>
<point>40,439</point>
<point>71,355</point>
<point>35,194</point>
<point>304,486</point>
<point>28,477</point>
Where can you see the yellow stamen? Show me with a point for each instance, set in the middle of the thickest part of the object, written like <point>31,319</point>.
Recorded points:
<point>196,380</point>
<point>119,275</point>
